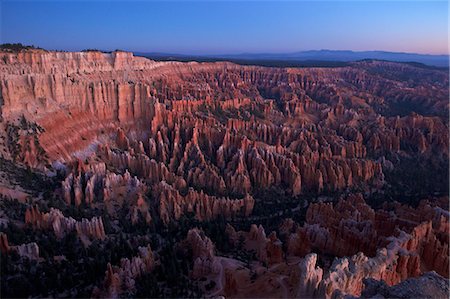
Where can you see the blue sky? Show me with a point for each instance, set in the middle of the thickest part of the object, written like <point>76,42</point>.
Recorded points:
<point>223,27</point>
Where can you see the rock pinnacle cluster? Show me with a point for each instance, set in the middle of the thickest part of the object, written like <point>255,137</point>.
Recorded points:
<point>122,176</point>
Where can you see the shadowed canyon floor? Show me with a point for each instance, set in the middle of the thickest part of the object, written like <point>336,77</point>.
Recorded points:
<point>125,177</point>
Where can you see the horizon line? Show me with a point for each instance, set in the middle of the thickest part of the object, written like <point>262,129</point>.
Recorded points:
<point>191,53</point>
<point>287,53</point>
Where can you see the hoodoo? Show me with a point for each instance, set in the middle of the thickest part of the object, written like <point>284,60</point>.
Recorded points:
<point>130,176</point>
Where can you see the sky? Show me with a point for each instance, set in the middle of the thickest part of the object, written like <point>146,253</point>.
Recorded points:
<point>227,27</point>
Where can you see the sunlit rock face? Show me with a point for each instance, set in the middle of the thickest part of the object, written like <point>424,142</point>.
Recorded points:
<point>135,148</point>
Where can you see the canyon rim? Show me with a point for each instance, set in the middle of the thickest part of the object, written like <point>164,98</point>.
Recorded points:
<point>132,174</point>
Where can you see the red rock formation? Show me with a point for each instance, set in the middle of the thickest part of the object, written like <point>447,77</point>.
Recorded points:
<point>274,249</point>
<point>203,253</point>
<point>213,127</point>
<point>172,204</point>
<point>322,149</point>
<point>4,244</point>
<point>93,184</point>
<point>29,250</point>
<point>299,243</point>
<point>87,229</point>
<point>61,225</point>
<point>340,230</point>
<point>350,229</point>
<point>121,279</point>
<point>204,138</point>
<point>268,249</point>
<point>404,256</point>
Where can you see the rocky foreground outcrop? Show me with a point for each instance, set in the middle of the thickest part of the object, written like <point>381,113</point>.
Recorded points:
<point>403,248</point>
<point>429,285</point>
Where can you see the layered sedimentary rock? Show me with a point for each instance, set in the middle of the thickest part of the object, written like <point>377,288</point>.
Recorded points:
<point>299,128</point>
<point>149,143</point>
<point>225,129</point>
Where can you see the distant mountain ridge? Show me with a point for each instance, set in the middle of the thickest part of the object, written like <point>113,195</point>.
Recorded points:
<point>319,55</point>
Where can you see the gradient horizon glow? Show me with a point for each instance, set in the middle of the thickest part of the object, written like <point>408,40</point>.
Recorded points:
<point>219,27</point>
